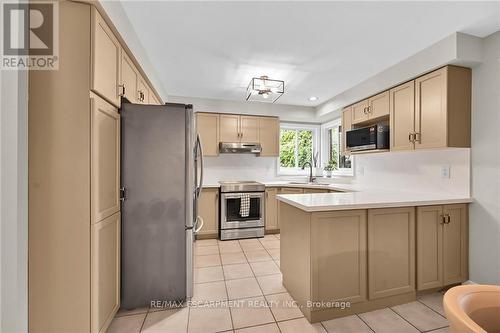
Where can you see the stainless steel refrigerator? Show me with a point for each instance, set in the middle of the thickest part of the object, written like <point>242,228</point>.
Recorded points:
<point>161,177</point>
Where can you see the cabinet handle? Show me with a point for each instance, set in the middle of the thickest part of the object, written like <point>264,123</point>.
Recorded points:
<point>364,110</point>
<point>369,109</point>
<point>417,137</point>
<point>447,218</point>
<point>122,86</point>
<point>442,219</point>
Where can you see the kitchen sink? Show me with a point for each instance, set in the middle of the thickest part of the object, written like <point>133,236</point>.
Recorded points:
<point>307,183</point>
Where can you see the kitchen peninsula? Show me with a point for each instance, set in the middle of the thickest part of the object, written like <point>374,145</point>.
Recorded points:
<point>346,253</point>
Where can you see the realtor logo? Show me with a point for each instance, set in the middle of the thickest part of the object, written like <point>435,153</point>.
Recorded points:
<point>30,35</point>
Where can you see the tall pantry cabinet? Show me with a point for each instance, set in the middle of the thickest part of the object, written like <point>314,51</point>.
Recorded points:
<point>74,176</point>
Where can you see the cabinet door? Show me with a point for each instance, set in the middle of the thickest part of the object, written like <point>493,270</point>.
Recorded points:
<point>346,126</point>
<point>105,60</point>
<point>379,105</point>
<point>430,110</point>
<point>271,209</point>
<point>249,129</point>
<point>338,239</point>
<point>229,130</point>
<point>269,132</point>
<point>391,244</point>
<point>315,190</point>
<point>455,247</point>
<point>429,247</point>
<point>207,127</point>
<point>105,272</point>
<point>105,159</point>
<point>208,209</point>
<point>153,99</point>
<point>360,112</point>
<point>128,81</point>
<point>402,115</point>
<point>142,91</point>
<point>291,190</point>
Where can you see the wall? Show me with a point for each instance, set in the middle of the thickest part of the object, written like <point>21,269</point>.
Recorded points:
<point>485,211</point>
<point>285,112</point>
<point>416,171</point>
<point>230,167</point>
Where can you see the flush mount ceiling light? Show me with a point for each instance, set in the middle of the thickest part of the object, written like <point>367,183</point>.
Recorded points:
<point>313,98</point>
<point>264,89</point>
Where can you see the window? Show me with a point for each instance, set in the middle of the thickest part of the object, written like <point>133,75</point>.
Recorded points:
<point>298,144</point>
<point>332,137</point>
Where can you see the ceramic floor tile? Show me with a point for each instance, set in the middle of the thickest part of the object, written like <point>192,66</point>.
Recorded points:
<point>251,244</point>
<point>258,255</point>
<point>209,320</point>
<point>208,274</point>
<point>442,330</point>
<point>349,324</point>
<point>243,288</point>
<point>386,320</point>
<point>271,244</point>
<point>229,247</point>
<point>233,258</point>
<point>283,306</point>
<point>300,325</point>
<point>250,312</point>
<point>237,271</point>
<point>208,260</point>
<point>211,291</point>
<point>261,268</point>
<point>434,301</point>
<point>268,328</point>
<point>269,237</point>
<point>206,242</point>
<point>127,324</point>
<point>209,249</point>
<point>420,316</point>
<point>275,253</point>
<point>167,321</point>
<point>277,236</point>
<point>124,312</point>
<point>271,284</point>
<point>277,262</point>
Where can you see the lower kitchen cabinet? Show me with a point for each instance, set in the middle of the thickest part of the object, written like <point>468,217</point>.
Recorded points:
<point>271,209</point>
<point>291,190</point>
<point>391,248</point>
<point>442,245</point>
<point>338,239</point>
<point>105,272</point>
<point>208,210</point>
<point>315,190</point>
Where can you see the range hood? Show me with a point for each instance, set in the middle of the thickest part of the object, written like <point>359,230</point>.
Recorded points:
<point>239,148</point>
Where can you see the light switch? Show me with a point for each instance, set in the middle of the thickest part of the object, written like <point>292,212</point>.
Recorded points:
<point>445,171</point>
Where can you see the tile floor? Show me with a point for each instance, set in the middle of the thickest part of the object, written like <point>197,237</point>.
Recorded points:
<point>245,277</point>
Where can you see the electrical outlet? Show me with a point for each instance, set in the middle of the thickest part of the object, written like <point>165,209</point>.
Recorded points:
<point>445,171</point>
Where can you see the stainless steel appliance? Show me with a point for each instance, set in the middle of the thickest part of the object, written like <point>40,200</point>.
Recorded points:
<point>368,138</point>
<point>160,158</point>
<point>232,224</point>
<point>239,148</point>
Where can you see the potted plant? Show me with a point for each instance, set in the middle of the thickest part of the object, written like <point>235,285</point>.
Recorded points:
<point>331,166</point>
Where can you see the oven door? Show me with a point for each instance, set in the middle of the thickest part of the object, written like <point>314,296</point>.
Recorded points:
<point>230,211</point>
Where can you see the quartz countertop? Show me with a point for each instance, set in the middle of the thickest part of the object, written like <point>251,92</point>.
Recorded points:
<point>372,198</point>
<point>325,186</point>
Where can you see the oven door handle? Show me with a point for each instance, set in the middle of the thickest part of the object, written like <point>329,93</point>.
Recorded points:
<point>237,196</point>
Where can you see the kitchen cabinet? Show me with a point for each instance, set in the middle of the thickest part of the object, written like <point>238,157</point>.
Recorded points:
<point>105,159</point>
<point>105,60</point>
<point>338,239</point>
<point>238,128</point>
<point>402,116</point>
<point>128,78</point>
<point>291,190</point>
<point>269,136</point>
<point>207,127</point>
<point>315,190</point>
<point>142,91</point>
<point>271,209</point>
<point>346,126</point>
<point>208,210</point>
<point>153,99</point>
<point>442,245</point>
<point>391,245</point>
<point>372,108</point>
<point>105,272</point>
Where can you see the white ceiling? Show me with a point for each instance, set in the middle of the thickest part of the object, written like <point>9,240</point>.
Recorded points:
<point>213,49</point>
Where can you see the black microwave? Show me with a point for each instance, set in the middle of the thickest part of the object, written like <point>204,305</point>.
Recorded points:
<point>367,138</point>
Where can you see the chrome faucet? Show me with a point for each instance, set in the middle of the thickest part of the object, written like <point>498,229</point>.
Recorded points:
<point>311,178</point>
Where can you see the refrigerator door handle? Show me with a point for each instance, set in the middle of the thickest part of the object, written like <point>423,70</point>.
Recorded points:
<point>198,228</point>
<point>200,152</point>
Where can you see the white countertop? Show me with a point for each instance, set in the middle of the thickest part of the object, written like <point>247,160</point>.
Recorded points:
<point>331,187</point>
<point>318,202</point>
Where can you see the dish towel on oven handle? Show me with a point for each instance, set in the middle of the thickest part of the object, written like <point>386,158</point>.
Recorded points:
<point>245,205</point>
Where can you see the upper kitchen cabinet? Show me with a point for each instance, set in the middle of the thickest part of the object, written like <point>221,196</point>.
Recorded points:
<point>229,128</point>
<point>207,127</point>
<point>142,91</point>
<point>443,108</point>
<point>402,116</point>
<point>128,78</point>
<point>372,108</point>
<point>105,60</point>
<point>346,126</point>
<point>269,129</point>
<point>249,129</point>
<point>153,99</point>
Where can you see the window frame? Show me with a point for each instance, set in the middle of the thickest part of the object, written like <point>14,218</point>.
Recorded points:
<point>316,147</point>
<point>325,149</point>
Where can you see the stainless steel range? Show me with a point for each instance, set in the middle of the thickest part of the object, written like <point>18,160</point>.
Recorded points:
<point>234,225</point>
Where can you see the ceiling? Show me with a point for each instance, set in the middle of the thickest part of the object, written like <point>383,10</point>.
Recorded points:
<point>213,49</point>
